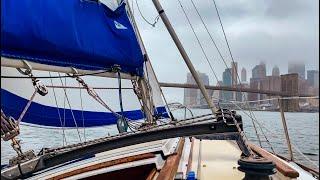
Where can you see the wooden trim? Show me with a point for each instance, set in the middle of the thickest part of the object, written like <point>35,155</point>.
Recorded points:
<point>189,167</point>
<point>152,174</point>
<point>310,170</point>
<point>103,165</point>
<point>281,166</point>
<point>171,165</point>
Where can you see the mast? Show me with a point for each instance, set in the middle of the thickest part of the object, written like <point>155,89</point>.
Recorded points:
<point>147,57</point>
<point>184,54</point>
<point>147,102</point>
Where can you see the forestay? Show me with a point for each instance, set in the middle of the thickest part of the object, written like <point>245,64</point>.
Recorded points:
<point>83,34</point>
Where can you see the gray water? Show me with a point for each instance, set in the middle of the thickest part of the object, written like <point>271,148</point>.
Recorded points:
<point>303,130</point>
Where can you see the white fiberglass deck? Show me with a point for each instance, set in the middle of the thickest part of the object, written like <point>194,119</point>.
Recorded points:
<point>218,160</point>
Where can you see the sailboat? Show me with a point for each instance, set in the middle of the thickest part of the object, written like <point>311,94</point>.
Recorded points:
<point>52,49</point>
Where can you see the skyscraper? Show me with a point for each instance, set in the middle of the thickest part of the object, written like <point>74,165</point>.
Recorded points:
<point>205,79</point>
<point>275,71</point>
<point>234,72</point>
<point>243,75</point>
<point>194,96</point>
<point>190,94</point>
<point>297,67</point>
<point>313,78</point>
<point>259,71</point>
<point>258,74</point>
<point>227,81</point>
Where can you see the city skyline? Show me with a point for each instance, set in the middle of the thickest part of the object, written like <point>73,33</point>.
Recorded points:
<point>256,31</point>
<point>259,80</point>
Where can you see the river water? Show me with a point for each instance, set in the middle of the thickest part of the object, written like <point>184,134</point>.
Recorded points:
<point>303,130</point>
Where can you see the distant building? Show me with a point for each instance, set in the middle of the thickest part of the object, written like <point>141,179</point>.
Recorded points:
<point>270,83</point>
<point>193,97</point>
<point>290,85</point>
<point>242,96</point>
<point>275,71</point>
<point>216,94</point>
<point>297,68</point>
<point>234,72</point>
<point>243,75</point>
<point>255,83</point>
<point>303,86</point>
<point>313,78</point>
<point>259,71</point>
<point>258,74</point>
<point>205,79</point>
<point>190,94</point>
<point>220,83</point>
<point>227,81</point>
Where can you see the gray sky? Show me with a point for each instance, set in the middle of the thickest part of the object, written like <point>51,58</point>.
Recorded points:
<point>272,31</point>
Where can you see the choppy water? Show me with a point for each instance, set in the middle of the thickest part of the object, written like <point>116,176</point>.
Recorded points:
<point>303,131</point>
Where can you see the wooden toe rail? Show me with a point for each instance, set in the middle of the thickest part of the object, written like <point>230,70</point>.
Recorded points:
<point>285,169</point>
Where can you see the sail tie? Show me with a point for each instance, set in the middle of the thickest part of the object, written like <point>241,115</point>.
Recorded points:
<point>122,124</point>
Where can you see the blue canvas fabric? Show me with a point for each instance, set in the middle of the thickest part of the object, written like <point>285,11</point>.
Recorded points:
<point>83,34</point>
<point>42,115</point>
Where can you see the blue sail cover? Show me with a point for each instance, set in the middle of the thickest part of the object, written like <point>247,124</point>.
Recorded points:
<point>83,34</point>
<point>41,115</point>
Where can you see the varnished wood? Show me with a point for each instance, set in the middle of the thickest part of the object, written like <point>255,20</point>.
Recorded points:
<point>103,165</point>
<point>170,167</point>
<point>152,174</point>
<point>281,166</point>
<point>190,156</point>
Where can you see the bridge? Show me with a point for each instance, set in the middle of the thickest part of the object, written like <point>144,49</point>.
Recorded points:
<point>238,89</point>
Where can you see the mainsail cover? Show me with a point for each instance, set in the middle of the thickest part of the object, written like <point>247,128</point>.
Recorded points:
<point>84,34</point>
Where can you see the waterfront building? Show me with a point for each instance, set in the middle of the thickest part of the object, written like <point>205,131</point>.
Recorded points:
<point>290,85</point>
<point>313,78</point>
<point>275,71</point>
<point>227,81</point>
<point>259,71</point>
<point>297,67</point>
<point>234,72</point>
<point>243,75</point>
<point>194,97</point>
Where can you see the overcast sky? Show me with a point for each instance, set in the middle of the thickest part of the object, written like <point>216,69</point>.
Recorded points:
<point>272,31</point>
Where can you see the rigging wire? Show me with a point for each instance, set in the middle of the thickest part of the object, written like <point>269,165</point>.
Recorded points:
<point>208,59</point>
<point>73,117</point>
<point>253,119</point>
<point>64,101</point>
<point>82,115</point>
<point>156,19</point>
<point>144,49</point>
<point>202,49</point>
<point>64,140</point>
<point>208,62</point>
<point>243,95</point>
